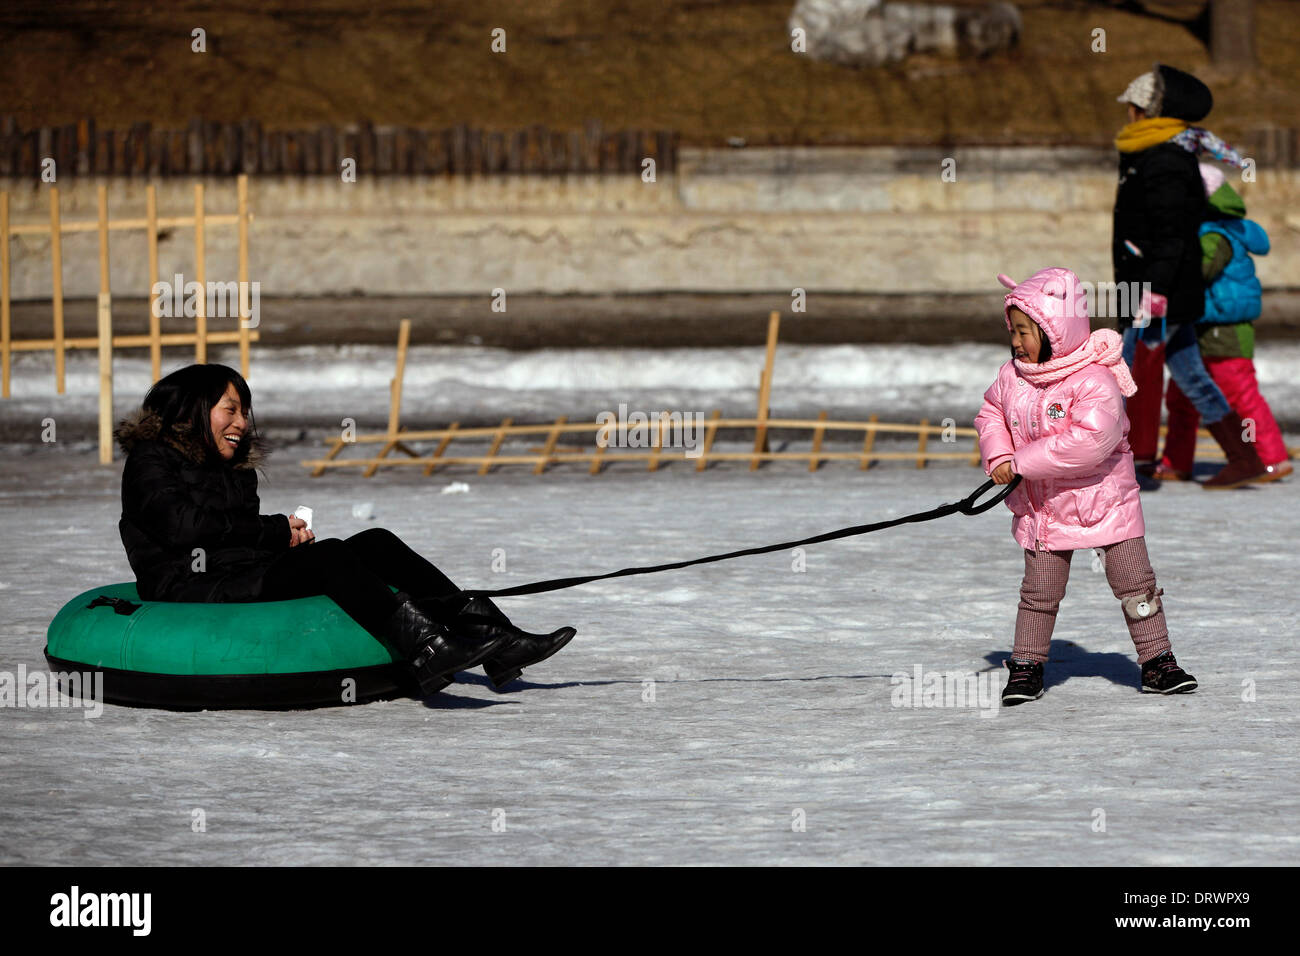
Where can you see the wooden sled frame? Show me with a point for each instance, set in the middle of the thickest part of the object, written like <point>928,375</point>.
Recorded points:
<point>597,454</point>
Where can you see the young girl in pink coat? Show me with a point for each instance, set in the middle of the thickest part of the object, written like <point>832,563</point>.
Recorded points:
<point>1055,416</point>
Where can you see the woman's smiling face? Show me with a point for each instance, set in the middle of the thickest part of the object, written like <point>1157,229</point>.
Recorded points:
<point>228,422</point>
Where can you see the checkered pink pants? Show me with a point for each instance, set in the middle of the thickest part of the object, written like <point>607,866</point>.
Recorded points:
<point>1128,569</point>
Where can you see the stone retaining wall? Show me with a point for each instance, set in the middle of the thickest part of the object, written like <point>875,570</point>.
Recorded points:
<point>830,219</point>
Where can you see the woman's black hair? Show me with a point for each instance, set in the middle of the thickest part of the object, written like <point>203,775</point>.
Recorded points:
<point>186,398</point>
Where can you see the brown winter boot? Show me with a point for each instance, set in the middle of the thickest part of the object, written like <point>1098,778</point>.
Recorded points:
<point>1243,461</point>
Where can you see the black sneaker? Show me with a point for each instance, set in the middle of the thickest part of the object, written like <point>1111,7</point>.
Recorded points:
<point>1025,682</point>
<point>1162,675</point>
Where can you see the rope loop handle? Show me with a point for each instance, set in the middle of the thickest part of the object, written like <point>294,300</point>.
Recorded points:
<point>968,506</point>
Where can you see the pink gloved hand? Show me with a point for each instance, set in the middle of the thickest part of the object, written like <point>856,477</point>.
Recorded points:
<point>1153,306</point>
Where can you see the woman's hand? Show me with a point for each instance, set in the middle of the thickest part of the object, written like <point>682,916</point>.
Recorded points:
<point>298,532</point>
<point>1003,474</point>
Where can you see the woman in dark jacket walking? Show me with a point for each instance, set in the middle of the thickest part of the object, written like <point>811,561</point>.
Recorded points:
<point>1159,207</point>
<point>192,532</point>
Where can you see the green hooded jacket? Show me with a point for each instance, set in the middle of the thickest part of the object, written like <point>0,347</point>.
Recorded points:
<point>1218,340</point>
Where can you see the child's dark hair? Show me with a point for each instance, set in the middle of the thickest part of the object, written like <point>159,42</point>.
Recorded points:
<point>186,398</point>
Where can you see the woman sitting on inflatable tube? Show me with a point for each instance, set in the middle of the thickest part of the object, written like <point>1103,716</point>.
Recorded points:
<point>189,482</point>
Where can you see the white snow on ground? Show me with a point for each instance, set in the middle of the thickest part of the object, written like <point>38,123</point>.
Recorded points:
<point>321,385</point>
<point>772,695</point>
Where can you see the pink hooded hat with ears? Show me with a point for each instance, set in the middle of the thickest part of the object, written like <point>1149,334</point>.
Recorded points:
<point>1054,298</point>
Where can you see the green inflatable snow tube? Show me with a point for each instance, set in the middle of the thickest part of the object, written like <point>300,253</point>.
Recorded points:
<point>271,655</point>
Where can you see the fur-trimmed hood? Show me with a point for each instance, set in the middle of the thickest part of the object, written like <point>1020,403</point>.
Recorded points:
<point>145,425</point>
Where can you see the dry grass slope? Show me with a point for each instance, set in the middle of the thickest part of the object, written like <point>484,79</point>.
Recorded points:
<point>711,69</point>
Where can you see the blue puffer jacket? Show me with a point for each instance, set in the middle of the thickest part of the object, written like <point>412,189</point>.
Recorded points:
<point>1235,295</point>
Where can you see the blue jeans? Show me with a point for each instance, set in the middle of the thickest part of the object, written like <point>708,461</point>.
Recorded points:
<point>1183,359</point>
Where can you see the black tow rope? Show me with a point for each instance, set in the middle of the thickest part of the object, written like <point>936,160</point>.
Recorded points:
<point>966,506</point>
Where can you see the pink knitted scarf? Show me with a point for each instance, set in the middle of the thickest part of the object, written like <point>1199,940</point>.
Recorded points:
<point>1104,347</point>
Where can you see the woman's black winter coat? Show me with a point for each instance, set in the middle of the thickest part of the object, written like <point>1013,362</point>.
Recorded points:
<point>1159,207</point>
<point>176,499</point>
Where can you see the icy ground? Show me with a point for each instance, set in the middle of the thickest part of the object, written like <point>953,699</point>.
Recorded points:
<point>770,732</point>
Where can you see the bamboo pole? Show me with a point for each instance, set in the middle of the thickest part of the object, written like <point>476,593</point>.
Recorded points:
<point>547,428</point>
<point>394,399</point>
<point>375,462</point>
<point>333,453</point>
<point>765,387</point>
<point>817,439</point>
<point>442,446</point>
<point>598,455</point>
<point>241,191</point>
<point>4,294</point>
<point>868,443</point>
<point>105,338</point>
<point>497,439</point>
<point>829,455</point>
<point>155,323</point>
<point>657,443</point>
<point>709,434</point>
<point>920,442</point>
<point>56,260</point>
<point>200,276</point>
<point>399,373</point>
<point>538,460</point>
<point>551,439</point>
<point>127,341</point>
<point>119,225</point>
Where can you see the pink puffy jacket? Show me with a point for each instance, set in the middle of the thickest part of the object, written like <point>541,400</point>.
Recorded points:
<point>1069,439</point>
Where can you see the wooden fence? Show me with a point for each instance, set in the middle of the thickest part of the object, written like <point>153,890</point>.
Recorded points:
<point>104,340</point>
<point>206,148</point>
<point>226,149</point>
<point>596,451</point>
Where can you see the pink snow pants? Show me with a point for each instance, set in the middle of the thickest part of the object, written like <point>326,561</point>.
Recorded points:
<point>1236,379</point>
<point>1143,408</point>
<point>1128,569</point>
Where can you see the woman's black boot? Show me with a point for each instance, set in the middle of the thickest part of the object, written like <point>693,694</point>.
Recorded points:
<point>521,649</point>
<point>435,651</point>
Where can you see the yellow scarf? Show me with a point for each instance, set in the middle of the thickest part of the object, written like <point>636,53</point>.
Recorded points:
<point>1148,132</point>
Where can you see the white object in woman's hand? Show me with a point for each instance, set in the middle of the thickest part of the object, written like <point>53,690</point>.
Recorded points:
<point>299,533</point>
